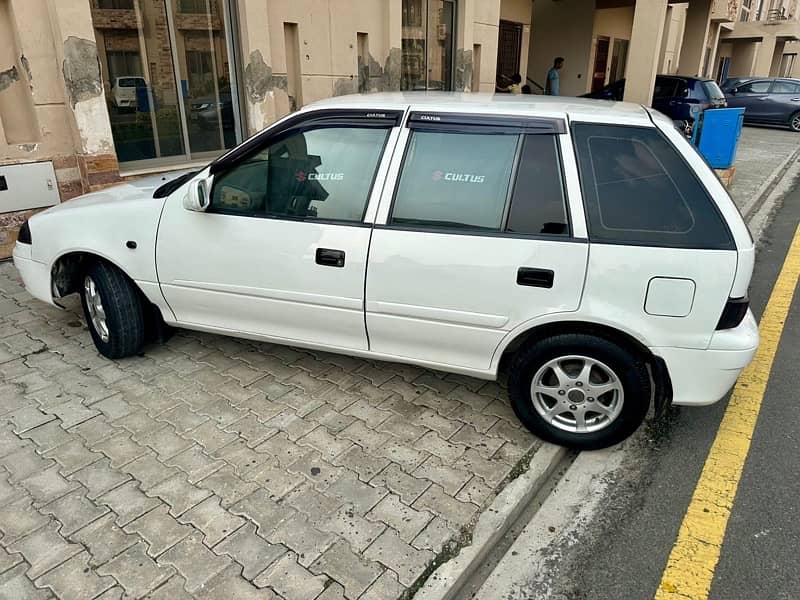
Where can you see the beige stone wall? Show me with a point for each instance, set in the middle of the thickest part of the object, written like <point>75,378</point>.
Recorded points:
<point>51,104</point>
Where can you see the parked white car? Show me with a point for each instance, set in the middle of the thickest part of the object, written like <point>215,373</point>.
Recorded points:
<point>583,247</point>
<point>123,92</point>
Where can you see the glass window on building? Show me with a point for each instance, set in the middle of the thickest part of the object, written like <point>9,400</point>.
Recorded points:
<point>168,78</point>
<point>428,44</point>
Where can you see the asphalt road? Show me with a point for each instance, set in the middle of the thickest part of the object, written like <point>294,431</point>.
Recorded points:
<point>622,555</point>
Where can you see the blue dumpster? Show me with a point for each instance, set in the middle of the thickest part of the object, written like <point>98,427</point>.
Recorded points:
<point>716,134</point>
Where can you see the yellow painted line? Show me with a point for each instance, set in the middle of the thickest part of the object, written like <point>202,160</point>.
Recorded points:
<point>694,556</point>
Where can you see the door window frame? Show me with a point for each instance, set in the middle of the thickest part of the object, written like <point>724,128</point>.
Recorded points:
<point>483,124</point>
<point>298,123</point>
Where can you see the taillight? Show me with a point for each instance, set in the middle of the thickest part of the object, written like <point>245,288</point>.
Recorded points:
<point>24,236</point>
<point>734,312</point>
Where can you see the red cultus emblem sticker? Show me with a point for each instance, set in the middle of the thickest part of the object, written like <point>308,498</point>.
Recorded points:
<point>437,175</point>
<point>300,176</point>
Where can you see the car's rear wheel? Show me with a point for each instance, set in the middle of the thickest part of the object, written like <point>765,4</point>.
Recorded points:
<point>579,391</point>
<point>794,122</point>
<point>114,310</point>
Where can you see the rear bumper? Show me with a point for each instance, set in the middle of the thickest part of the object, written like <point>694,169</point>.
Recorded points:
<point>35,275</point>
<point>702,377</point>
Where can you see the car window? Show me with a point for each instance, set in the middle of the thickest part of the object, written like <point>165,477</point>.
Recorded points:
<point>785,87</point>
<point>456,180</point>
<point>712,90</point>
<point>322,173</point>
<point>638,190</point>
<point>131,82</point>
<point>682,89</point>
<point>537,202</point>
<point>754,87</point>
<point>664,88</point>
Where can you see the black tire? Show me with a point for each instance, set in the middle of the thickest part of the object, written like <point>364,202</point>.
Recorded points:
<point>629,369</point>
<point>124,311</point>
<point>794,122</point>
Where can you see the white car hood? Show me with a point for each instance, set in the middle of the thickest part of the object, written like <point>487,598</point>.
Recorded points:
<point>102,223</point>
<point>136,189</point>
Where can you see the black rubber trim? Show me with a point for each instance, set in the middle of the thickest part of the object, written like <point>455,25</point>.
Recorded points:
<point>173,184</point>
<point>379,119</point>
<point>481,233</point>
<point>485,124</point>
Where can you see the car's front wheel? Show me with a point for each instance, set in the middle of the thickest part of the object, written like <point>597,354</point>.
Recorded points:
<point>579,391</point>
<point>114,310</point>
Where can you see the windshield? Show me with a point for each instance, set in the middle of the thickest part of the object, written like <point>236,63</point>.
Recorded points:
<point>131,82</point>
<point>712,90</point>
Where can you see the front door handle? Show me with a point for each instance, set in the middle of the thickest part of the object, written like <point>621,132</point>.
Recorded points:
<point>542,278</point>
<point>330,258</point>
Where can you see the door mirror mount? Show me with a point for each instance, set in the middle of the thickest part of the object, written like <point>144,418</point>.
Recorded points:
<point>198,195</point>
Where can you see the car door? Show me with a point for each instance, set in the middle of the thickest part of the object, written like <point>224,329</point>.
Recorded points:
<point>281,250</point>
<point>753,97</point>
<point>782,101</point>
<point>473,238</point>
<point>664,95</point>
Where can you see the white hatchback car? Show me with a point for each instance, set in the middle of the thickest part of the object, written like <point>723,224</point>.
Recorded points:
<point>583,247</point>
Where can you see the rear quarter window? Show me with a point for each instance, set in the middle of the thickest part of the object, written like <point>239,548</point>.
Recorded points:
<point>712,90</point>
<point>638,190</point>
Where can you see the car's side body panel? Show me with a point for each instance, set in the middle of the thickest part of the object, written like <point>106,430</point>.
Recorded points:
<point>452,298</point>
<point>444,299</point>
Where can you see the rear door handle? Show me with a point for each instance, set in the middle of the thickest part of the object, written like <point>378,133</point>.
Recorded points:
<point>542,278</point>
<point>330,258</point>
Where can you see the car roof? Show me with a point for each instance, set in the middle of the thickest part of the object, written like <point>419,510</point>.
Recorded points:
<point>488,103</point>
<point>686,77</point>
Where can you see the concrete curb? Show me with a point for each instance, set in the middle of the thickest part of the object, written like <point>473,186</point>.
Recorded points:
<point>526,570</point>
<point>445,582</point>
<point>763,192</point>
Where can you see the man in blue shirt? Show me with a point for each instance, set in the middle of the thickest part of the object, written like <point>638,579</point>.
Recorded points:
<point>551,85</point>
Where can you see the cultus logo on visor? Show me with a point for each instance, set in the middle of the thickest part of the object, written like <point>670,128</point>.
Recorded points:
<point>458,177</point>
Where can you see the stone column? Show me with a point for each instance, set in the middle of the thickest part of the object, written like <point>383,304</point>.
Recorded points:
<point>393,62</point>
<point>763,58</point>
<point>79,73</point>
<point>695,37</point>
<point>777,57</point>
<point>256,90</point>
<point>713,40</point>
<point>644,50</point>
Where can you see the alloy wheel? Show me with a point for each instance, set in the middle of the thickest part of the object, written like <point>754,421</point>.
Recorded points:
<point>577,394</point>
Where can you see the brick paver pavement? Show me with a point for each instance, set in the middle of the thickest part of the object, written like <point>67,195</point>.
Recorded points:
<point>211,467</point>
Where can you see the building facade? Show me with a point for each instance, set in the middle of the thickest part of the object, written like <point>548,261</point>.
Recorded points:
<point>95,91</point>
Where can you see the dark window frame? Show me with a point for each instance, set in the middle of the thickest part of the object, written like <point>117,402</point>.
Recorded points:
<point>729,245</point>
<point>478,124</point>
<point>359,119</point>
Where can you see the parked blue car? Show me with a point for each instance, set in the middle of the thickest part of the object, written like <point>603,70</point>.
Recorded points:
<point>680,98</point>
<point>768,100</point>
